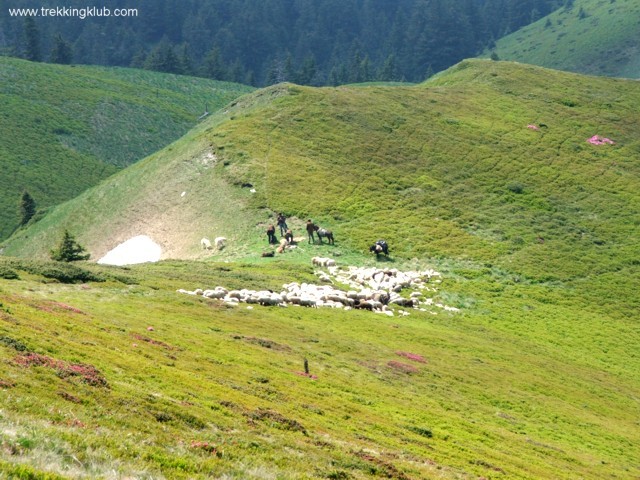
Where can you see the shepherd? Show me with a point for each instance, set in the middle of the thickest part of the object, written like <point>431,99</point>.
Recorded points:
<point>282,223</point>
<point>288,236</point>
<point>271,234</point>
<point>310,229</point>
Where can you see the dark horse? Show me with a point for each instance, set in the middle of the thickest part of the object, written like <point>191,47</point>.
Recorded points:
<point>379,247</point>
<point>324,233</point>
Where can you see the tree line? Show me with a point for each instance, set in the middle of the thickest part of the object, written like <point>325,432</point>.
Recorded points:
<point>261,42</point>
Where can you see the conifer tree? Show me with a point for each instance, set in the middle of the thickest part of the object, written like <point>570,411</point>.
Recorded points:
<point>32,40</point>
<point>27,208</point>
<point>69,250</point>
<point>61,52</point>
<point>214,67</point>
<point>388,70</point>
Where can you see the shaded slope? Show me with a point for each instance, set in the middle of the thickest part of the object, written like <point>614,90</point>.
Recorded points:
<point>65,128</point>
<point>598,37</point>
<point>444,169</point>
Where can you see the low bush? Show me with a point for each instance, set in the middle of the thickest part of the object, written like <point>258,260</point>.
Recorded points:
<point>8,273</point>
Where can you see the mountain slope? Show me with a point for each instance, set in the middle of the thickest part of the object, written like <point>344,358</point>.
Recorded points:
<point>66,128</point>
<point>534,231</point>
<point>595,37</point>
<point>404,163</point>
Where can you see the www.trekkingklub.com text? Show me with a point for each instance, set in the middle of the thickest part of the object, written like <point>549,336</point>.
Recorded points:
<point>81,13</point>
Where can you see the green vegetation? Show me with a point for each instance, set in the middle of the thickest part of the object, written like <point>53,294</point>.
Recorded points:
<point>591,36</point>
<point>524,384</point>
<point>69,250</point>
<point>534,230</point>
<point>260,43</point>
<point>66,128</point>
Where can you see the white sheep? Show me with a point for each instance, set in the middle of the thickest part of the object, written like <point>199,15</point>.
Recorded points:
<point>220,242</point>
<point>206,243</point>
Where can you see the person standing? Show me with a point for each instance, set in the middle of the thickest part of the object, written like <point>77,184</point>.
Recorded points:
<point>282,223</point>
<point>310,229</point>
<point>271,234</point>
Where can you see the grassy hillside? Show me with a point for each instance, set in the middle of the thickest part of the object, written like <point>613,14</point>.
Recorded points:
<point>444,169</point>
<point>597,37</point>
<point>534,231</point>
<point>65,128</point>
<point>522,383</point>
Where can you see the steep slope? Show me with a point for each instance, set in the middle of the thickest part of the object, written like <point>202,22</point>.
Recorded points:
<point>65,128</point>
<point>598,37</point>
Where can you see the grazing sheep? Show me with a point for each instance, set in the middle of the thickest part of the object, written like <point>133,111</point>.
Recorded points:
<point>283,245</point>
<point>206,243</point>
<point>220,242</point>
<point>323,262</point>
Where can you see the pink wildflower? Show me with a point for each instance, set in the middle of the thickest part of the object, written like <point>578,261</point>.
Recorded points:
<point>412,356</point>
<point>598,140</point>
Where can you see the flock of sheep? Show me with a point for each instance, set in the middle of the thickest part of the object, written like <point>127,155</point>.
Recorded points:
<point>374,289</point>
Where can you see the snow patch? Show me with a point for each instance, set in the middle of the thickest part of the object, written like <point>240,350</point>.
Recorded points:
<point>140,249</point>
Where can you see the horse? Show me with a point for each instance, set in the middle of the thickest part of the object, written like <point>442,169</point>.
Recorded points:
<point>380,247</point>
<point>324,233</point>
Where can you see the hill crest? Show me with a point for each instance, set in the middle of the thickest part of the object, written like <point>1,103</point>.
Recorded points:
<point>587,36</point>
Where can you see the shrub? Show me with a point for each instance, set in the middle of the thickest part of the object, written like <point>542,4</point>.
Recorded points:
<point>69,250</point>
<point>69,273</point>
<point>516,188</point>
<point>8,273</point>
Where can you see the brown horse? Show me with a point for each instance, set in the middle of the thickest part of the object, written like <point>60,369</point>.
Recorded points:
<point>324,233</point>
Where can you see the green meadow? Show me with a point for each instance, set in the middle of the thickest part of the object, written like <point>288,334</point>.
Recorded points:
<point>108,372</point>
<point>65,128</point>
<point>596,37</point>
<point>522,383</point>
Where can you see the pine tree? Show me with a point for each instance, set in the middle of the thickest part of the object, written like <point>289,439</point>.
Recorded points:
<point>214,67</point>
<point>185,63</point>
<point>69,250</point>
<point>388,70</point>
<point>365,70</point>
<point>61,52</point>
<point>276,72</point>
<point>27,208</point>
<point>308,71</point>
<point>138,59</point>
<point>32,39</point>
<point>289,73</point>
<point>163,59</point>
